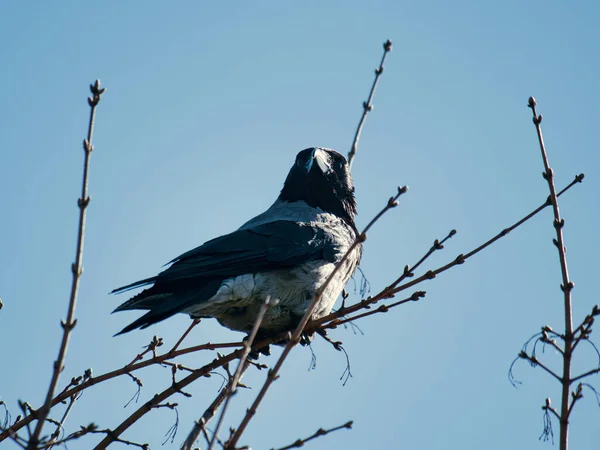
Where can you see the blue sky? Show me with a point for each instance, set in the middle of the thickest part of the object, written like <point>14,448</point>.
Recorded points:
<point>207,105</point>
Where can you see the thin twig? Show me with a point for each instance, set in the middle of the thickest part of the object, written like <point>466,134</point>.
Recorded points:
<point>60,425</point>
<point>460,259</point>
<point>585,375</point>
<point>92,429</point>
<point>295,338</point>
<point>536,362</point>
<point>241,368</point>
<point>576,395</point>
<point>567,284</point>
<point>76,269</point>
<point>416,296</point>
<point>179,385</point>
<point>200,426</point>
<point>320,432</point>
<point>583,331</point>
<point>409,272</point>
<point>184,335</point>
<point>368,106</point>
<point>159,398</point>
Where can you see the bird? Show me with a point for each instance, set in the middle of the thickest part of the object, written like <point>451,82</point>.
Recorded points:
<point>285,254</point>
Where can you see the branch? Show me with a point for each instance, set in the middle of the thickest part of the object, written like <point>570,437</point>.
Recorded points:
<point>585,375</point>
<point>566,286</point>
<point>583,331</point>
<point>200,426</point>
<point>368,106</point>
<point>231,387</point>
<point>576,395</point>
<point>178,386</point>
<point>460,259</point>
<point>416,296</point>
<point>159,398</point>
<point>535,362</point>
<point>125,370</point>
<point>320,432</point>
<point>76,269</point>
<point>93,429</point>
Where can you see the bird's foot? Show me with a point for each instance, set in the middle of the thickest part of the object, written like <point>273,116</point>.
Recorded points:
<point>306,338</point>
<point>336,344</point>
<point>255,353</point>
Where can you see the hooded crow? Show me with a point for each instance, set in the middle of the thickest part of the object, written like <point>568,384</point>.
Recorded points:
<point>285,253</point>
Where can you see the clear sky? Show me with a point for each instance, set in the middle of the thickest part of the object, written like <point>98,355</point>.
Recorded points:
<point>206,108</point>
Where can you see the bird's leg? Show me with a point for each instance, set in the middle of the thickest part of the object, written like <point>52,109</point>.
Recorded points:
<point>194,323</point>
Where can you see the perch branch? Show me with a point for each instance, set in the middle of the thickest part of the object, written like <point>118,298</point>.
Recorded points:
<point>241,368</point>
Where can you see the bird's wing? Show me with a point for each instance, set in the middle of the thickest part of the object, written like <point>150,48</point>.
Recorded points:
<point>275,245</point>
<point>196,275</point>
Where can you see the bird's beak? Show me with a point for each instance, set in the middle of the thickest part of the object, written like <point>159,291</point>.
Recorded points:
<point>321,159</point>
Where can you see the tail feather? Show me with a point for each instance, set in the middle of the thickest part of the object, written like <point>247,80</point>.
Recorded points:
<point>137,284</point>
<point>150,318</point>
<point>147,299</point>
<point>162,301</point>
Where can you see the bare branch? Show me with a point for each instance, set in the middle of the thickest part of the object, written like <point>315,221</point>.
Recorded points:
<point>575,395</point>
<point>159,398</point>
<point>567,284</point>
<point>184,335</point>
<point>368,106</point>
<point>583,331</point>
<point>126,370</point>
<point>585,375</point>
<point>76,269</point>
<point>200,426</point>
<point>416,296</point>
<point>460,259</point>
<point>241,368</point>
<point>320,432</point>
<point>536,362</point>
<point>93,429</point>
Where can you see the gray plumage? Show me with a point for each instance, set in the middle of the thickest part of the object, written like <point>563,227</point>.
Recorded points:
<point>285,253</point>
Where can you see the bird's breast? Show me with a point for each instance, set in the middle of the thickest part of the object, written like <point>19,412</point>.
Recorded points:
<point>291,291</point>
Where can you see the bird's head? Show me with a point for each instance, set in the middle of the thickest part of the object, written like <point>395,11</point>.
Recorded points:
<point>321,177</point>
